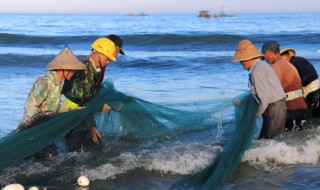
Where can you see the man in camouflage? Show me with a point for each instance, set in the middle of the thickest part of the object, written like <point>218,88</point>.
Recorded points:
<point>85,84</point>
<point>45,94</point>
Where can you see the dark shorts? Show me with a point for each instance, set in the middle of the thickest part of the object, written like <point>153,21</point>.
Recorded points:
<point>295,118</point>
<point>313,101</point>
<point>274,119</point>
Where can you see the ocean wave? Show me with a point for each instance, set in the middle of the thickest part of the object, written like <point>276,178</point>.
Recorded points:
<point>159,42</point>
<point>8,39</point>
<point>270,155</point>
<point>30,61</point>
<point>38,58</point>
<point>177,159</point>
<point>25,60</point>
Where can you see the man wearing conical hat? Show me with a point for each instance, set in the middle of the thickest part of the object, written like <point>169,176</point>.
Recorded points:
<point>265,88</point>
<point>45,94</point>
<point>309,79</point>
<point>290,80</point>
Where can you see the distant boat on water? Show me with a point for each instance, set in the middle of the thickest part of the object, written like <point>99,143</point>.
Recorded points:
<point>206,14</point>
<point>223,14</point>
<point>141,14</point>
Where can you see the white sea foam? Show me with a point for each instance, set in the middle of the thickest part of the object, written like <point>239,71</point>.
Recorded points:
<point>182,159</point>
<point>177,159</point>
<point>269,154</point>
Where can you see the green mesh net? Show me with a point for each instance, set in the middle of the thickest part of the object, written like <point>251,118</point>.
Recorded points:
<point>225,165</point>
<point>137,119</point>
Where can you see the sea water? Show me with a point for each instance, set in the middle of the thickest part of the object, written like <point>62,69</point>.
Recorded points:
<point>179,61</point>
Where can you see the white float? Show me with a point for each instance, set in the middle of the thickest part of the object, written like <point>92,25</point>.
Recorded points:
<point>83,181</point>
<point>14,186</point>
<point>33,188</point>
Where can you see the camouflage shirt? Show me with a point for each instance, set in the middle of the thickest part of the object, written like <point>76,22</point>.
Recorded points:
<point>83,85</point>
<point>44,96</point>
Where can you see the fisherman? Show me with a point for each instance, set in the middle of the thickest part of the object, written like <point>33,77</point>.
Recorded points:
<point>291,84</point>
<point>119,43</point>
<point>265,88</point>
<point>309,79</point>
<point>84,85</point>
<point>45,94</point>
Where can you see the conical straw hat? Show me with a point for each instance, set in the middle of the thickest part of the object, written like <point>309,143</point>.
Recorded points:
<point>66,60</point>
<point>246,51</point>
<point>291,51</point>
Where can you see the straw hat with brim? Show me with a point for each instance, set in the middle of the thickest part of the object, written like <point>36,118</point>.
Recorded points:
<point>246,51</point>
<point>291,51</point>
<point>66,60</point>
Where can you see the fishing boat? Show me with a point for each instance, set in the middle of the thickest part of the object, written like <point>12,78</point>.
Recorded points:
<point>206,14</point>
<point>218,14</point>
<point>223,14</point>
<point>141,14</point>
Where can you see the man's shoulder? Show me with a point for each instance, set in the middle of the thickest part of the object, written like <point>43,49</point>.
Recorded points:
<point>300,60</point>
<point>283,65</point>
<point>261,65</point>
<point>44,79</point>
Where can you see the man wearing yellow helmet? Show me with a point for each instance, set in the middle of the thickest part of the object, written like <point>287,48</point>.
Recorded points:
<point>118,42</point>
<point>84,85</point>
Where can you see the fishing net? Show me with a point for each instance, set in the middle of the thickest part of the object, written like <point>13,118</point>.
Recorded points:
<point>21,150</point>
<point>137,119</point>
<point>51,173</point>
<point>225,165</point>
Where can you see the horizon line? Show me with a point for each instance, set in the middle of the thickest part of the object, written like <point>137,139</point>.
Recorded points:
<point>2,13</point>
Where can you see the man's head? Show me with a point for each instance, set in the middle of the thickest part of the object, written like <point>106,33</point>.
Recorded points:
<point>271,51</point>
<point>287,53</point>
<point>246,53</point>
<point>105,50</point>
<point>106,47</point>
<point>118,42</point>
<point>66,62</point>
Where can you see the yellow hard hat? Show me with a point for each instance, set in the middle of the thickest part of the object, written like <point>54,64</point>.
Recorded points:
<point>105,46</point>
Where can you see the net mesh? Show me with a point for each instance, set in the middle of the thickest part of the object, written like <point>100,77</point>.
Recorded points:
<point>138,119</point>
<point>226,163</point>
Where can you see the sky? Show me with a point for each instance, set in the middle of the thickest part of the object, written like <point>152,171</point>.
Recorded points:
<point>158,6</point>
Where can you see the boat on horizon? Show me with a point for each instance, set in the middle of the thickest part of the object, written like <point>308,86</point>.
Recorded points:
<point>206,14</point>
<point>141,14</point>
